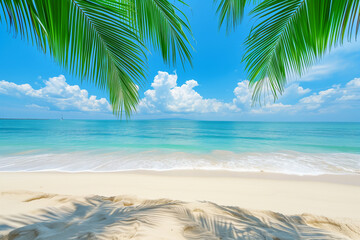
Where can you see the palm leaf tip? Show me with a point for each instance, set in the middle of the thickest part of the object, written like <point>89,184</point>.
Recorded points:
<point>290,36</point>
<point>230,12</point>
<point>165,27</point>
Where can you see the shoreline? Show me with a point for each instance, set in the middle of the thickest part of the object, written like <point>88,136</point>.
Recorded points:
<point>346,179</point>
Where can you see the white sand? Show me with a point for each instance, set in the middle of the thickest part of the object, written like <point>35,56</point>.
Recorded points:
<point>64,206</point>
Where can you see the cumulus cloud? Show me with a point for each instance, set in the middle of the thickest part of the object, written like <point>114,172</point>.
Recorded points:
<point>243,99</point>
<point>294,89</point>
<point>58,93</point>
<point>242,95</point>
<point>165,96</point>
<point>354,84</point>
<point>329,100</point>
<point>314,101</point>
<point>334,96</point>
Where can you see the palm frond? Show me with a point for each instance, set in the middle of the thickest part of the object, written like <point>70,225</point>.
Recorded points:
<point>101,41</point>
<point>164,26</point>
<point>89,38</point>
<point>231,12</point>
<point>291,35</point>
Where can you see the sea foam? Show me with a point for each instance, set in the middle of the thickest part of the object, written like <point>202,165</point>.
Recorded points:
<point>287,162</point>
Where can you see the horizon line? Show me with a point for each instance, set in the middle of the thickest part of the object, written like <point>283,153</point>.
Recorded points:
<point>176,119</point>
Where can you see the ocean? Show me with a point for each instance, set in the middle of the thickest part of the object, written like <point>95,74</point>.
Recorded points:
<point>110,146</point>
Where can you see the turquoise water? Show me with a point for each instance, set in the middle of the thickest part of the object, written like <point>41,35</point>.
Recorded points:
<point>91,145</point>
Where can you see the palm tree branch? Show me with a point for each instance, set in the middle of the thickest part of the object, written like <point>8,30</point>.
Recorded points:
<point>164,26</point>
<point>231,12</point>
<point>291,36</point>
<point>92,39</point>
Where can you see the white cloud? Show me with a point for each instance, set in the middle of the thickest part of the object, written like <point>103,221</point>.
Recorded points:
<point>243,98</point>
<point>321,70</point>
<point>334,96</point>
<point>354,84</point>
<point>315,100</point>
<point>10,88</point>
<point>167,97</point>
<point>294,89</point>
<point>271,108</point>
<point>59,93</point>
<point>35,106</point>
<point>242,94</point>
<point>339,59</point>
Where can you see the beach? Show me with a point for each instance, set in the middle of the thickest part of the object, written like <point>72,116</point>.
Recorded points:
<point>83,179</point>
<point>188,204</point>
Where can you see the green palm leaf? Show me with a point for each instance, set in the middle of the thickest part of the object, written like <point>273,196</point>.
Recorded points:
<point>231,12</point>
<point>96,40</point>
<point>291,35</point>
<point>159,23</point>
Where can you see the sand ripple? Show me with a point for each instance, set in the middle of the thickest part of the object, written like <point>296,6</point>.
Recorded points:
<point>49,216</point>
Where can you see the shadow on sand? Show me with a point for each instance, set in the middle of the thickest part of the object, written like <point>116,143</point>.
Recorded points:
<point>122,217</point>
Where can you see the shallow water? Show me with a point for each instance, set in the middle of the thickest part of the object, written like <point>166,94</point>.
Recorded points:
<point>89,145</point>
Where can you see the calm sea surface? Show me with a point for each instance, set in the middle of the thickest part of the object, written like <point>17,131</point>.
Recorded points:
<point>88,145</point>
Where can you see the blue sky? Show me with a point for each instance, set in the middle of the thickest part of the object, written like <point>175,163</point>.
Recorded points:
<point>33,86</point>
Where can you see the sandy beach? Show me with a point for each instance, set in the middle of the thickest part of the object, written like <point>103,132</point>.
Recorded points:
<point>178,205</point>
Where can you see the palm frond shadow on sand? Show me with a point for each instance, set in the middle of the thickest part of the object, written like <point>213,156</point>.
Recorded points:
<point>128,218</point>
